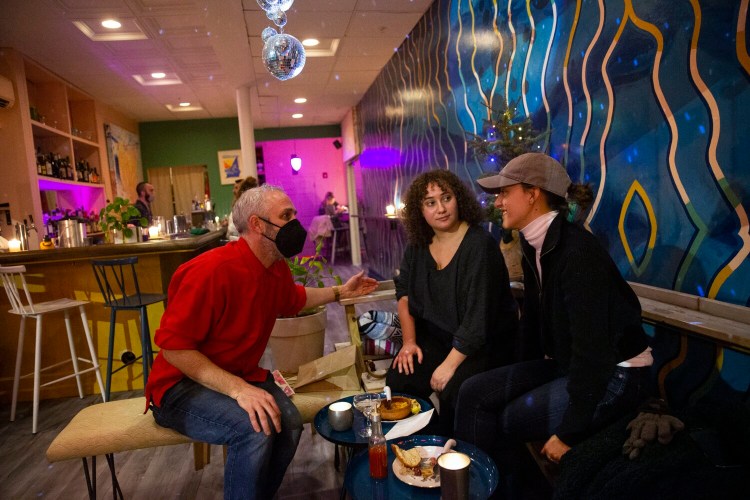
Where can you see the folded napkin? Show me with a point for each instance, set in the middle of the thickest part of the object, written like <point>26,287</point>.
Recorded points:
<point>410,425</point>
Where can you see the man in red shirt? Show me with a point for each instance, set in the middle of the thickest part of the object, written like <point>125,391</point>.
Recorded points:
<point>206,382</point>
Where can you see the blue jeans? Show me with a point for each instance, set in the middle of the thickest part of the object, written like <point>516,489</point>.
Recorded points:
<point>522,402</point>
<point>256,463</point>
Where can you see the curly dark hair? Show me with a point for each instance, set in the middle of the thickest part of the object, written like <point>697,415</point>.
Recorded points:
<point>417,230</point>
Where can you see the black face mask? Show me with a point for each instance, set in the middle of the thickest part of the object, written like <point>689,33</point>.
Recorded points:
<point>291,237</point>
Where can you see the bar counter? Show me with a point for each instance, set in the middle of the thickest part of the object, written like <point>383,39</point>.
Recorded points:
<point>67,273</point>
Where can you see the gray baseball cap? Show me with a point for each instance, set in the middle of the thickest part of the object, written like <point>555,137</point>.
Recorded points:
<point>537,169</point>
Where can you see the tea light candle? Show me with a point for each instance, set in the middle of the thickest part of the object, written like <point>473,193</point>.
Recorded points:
<point>390,210</point>
<point>14,245</point>
<point>153,232</point>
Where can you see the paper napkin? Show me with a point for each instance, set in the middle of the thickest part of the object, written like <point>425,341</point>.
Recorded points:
<point>409,426</point>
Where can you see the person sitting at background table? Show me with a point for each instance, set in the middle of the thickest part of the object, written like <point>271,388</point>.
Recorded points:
<point>585,351</point>
<point>240,186</point>
<point>206,382</point>
<point>145,193</point>
<point>329,206</point>
<point>457,314</point>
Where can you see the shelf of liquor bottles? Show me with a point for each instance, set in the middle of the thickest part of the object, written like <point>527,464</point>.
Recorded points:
<point>58,167</point>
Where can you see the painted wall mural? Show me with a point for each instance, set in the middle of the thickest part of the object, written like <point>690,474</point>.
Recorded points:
<point>648,101</point>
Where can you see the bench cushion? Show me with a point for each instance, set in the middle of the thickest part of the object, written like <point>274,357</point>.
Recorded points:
<point>122,426</point>
<point>110,428</point>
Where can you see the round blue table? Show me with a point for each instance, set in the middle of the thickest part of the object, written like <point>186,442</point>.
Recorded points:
<point>349,437</point>
<point>483,475</point>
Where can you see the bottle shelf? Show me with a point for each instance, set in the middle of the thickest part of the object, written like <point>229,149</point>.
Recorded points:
<point>47,183</point>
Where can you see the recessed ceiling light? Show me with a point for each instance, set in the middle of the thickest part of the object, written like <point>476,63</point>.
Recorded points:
<point>300,100</point>
<point>150,80</point>
<point>127,29</point>
<point>184,104</point>
<point>297,115</point>
<point>111,24</point>
<point>310,42</point>
<point>180,108</point>
<point>158,75</point>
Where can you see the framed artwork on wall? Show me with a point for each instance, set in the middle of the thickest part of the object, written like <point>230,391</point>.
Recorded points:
<point>230,166</point>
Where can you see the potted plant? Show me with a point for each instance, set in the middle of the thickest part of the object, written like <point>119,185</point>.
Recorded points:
<point>299,340</point>
<point>117,217</point>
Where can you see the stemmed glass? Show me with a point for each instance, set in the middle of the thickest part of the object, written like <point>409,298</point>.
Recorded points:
<point>367,403</point>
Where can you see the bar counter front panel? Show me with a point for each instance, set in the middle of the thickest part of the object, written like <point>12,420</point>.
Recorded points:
<point>67,273</point>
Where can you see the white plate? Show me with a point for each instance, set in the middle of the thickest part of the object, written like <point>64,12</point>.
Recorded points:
<point>405,474</point>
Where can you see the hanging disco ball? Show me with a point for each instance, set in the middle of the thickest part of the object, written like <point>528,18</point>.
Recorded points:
<point>278,17</point>
<point>268,5</point>
<point>267,33</point>
<point>283,56</point>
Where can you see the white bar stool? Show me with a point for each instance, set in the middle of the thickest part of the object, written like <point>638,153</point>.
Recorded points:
<point>14,281</point>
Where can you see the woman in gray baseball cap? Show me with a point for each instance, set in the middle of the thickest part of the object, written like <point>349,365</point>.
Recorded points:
<point>584,352</point>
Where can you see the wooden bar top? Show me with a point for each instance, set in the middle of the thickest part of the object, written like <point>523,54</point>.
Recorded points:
<point>189,244</point>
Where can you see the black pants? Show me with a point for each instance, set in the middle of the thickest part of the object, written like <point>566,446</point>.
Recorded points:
<point>417,384</point>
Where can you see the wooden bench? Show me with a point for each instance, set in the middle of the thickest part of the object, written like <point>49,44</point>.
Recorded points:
<point>116,426</point>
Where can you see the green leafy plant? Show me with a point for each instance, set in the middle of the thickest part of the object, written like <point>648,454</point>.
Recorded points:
<point>312,270</point>
<point>118,214</point>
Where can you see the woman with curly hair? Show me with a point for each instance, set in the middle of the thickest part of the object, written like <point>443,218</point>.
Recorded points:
<point>457,313</point>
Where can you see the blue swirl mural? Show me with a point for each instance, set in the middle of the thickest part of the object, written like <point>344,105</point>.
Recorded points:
<point>647,101</point>
<point>642,100</point>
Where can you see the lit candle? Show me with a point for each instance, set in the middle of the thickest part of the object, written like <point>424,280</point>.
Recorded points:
<point>153,232</point>
<point>14,245</point>
<point>390,210</point>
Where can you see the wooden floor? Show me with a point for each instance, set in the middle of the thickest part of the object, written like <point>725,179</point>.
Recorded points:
<point>165,472</point>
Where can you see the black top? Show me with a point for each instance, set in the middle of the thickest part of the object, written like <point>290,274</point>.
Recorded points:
<point>586,317</point>
<point>144,209</point>
<point>467,304</point>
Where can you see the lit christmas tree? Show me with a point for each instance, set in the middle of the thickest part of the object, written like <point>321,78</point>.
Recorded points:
<point>504,137</point>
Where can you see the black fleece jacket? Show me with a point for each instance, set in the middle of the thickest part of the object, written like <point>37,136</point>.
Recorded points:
<point>585,316</point>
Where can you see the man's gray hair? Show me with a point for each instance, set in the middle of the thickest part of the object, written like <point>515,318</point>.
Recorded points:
<point>252,202</point>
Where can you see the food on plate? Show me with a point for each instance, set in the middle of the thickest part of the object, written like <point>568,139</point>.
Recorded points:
<point>410,458</point>
<point>415,407</point>
<point>397,408</point>
<point>427,467</point>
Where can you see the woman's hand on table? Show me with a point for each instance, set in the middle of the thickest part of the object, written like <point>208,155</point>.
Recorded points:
<point>404,360</point>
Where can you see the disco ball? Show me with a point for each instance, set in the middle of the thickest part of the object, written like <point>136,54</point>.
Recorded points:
<point>278,17</point>
<point>283,56</point>
<point>268,5</point>
<point>267,33</point>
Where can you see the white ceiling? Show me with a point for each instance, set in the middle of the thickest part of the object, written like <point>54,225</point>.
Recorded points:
<point>214,47</point>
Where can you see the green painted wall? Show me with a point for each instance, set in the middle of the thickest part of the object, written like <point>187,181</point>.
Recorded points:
<point>197,142</point>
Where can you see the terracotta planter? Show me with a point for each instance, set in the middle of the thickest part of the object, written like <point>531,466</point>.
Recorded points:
<point>296,341</point>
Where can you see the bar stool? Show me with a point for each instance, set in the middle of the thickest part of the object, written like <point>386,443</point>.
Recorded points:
<point>12,276</point>
<point>118,283</point>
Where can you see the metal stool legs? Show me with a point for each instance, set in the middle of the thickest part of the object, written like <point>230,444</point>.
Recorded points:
<point>147,355</point>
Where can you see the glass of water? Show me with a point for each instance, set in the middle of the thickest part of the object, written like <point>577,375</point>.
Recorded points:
<point>367,403</point>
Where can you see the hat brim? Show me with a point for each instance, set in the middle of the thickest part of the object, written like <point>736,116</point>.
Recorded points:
<point>494,183</point>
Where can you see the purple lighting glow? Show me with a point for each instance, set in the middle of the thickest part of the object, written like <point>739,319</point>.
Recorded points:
<point>379,158</point>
